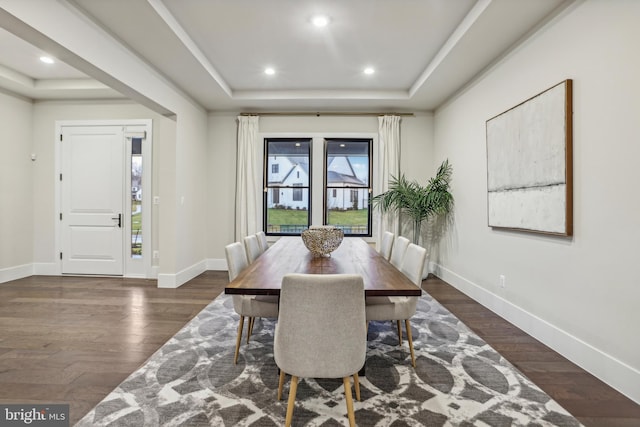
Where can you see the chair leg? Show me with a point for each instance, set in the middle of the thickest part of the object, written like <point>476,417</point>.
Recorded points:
<point>280,384</point>
<point>413,356</point>
<point>250,328</point>
<point>240,326</point>
<point>347,394</point>
<point>356,385</point>
<point>292,400</point>
<point>399,332</point>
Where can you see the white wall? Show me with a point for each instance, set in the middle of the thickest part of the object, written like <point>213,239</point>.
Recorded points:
<point>191,190</point>
<point>417,160</point>
<point>579,294</point>
<point>16,188</point>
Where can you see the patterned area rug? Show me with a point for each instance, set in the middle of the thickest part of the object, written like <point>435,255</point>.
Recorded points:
<point>459,381</point>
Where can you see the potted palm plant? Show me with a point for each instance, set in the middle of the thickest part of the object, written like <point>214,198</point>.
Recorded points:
<point>419,203</point>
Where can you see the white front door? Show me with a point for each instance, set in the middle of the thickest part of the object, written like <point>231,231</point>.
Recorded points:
<point>92,199</point>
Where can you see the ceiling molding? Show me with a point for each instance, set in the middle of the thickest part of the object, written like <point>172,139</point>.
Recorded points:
<point>70,84</point>
<point>191,46</point>
<point>319,94</point>
<point>16,78</point>
<point>450,44</point>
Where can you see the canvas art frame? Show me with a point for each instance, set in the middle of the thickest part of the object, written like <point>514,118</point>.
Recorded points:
<point>530,164</point>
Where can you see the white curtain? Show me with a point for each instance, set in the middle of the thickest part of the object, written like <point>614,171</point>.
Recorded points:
<point>389,166</point>
<point>248,189</point>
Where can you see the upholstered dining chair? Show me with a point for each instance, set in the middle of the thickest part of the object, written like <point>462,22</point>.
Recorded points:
<point>386,244</point>
<point>262,240</point>
<point>250,306</point>
<point>252,247</point>
<point>398,250</point>
<point>401,308</point>
<point>321,332</point>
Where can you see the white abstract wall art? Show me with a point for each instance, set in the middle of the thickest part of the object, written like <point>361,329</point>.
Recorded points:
<point>529,164</point>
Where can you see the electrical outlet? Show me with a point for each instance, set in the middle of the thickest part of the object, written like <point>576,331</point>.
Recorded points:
<point>156,254</point>
<point>502,281</point>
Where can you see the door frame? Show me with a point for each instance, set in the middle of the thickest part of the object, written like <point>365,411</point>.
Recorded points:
<point>133,128</point>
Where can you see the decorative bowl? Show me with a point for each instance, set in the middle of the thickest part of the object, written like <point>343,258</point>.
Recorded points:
<point>322,240</point>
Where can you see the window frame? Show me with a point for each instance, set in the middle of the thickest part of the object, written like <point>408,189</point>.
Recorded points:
<point>267,188</point>
<point>369,188</point>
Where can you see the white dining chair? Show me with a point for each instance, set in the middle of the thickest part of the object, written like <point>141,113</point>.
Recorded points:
<point>401,308</point>
<point>321,332</point>
<point>262,240</point>
<point>250,306</point>
<point>397,253</point>
<point>413,263</point>
<point>252,247</point>
<point>386,244</point>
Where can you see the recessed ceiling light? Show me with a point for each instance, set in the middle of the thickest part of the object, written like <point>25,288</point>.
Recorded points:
<point>320,21</point>
<point>369,70</point>
<point>46,59</point>
<point>269,71</point>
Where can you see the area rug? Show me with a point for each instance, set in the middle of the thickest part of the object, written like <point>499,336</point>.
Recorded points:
<point>459,381</point>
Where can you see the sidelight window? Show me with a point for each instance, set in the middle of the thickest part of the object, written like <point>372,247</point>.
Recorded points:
<point>136,197</point>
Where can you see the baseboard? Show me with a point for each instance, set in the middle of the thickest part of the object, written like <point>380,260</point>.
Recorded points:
<point>615,373</point>
<point>217,264</point>
<point>46,269</point>
<point>181,277</point>
<point>14,273</point>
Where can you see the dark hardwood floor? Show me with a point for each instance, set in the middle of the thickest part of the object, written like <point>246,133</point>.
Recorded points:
<point>74,339</point>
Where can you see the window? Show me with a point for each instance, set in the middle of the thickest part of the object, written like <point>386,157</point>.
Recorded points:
<point>287,204</point>
<point>297,193</point>
<point>136,197</point>
<point>347,181</point>
<point>343,167</point>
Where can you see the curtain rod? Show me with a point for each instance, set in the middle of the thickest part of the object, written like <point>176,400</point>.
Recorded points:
<point>324,113</point>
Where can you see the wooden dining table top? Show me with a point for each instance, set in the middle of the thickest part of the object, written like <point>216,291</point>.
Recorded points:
<point>354,256</point>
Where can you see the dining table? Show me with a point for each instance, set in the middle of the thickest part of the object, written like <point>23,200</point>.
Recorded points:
<point>354,256</point>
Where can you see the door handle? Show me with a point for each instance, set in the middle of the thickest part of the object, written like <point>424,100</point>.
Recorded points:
<point>119,218</point>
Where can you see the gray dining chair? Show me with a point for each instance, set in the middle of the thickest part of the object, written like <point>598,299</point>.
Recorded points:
<point>397,253</point>
<point>401,308</point>
<point>250,306</point>
<point>386,244</point>
<point>321,332</point>
<point>252,246</point>
<point>262,240</point>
